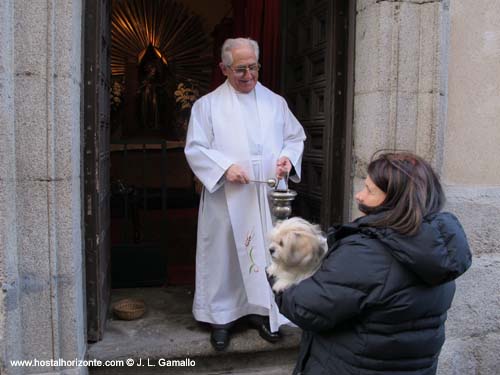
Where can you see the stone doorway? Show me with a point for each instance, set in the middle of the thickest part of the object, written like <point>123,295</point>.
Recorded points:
<point>325,119</point>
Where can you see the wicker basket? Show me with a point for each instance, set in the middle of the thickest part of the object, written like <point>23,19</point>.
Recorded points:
<point>129,309</point>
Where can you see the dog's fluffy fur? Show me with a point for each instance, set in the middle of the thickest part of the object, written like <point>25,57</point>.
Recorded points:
<point>297,248</point>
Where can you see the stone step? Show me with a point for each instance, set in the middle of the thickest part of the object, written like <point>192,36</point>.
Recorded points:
<point>275,362</point>
<point>168,331</point>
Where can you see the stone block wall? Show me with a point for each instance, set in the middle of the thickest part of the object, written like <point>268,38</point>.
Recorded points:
<point>41,274</point>
<point>409,54</point>
<point>471,173</point>
<point>400,85</point>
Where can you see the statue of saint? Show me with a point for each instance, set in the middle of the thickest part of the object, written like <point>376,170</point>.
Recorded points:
<point>155,95</point>
<point>151,90</point>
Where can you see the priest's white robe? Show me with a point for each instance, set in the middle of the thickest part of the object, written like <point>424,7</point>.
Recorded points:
<point>234,219</point>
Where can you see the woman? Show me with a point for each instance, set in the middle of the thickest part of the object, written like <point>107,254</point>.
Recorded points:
<point>378,303</point>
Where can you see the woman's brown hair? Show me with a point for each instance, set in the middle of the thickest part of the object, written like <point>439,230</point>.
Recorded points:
<point>412,189</point>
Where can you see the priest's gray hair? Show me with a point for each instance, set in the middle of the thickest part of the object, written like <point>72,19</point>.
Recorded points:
<point>230,44</point>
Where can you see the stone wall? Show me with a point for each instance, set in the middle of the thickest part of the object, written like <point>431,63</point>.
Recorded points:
<point>471,173</point>
<point>472,164</point>
<point>400,80</point>
<point>409,55</point>
<point>10,323</point>
<point>41,274</point>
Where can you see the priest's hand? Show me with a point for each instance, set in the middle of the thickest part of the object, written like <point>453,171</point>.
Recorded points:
<point>236,175</point>
<point>283,166</point>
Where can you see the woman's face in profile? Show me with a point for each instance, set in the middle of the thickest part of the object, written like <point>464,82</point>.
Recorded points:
<point>370,196</point>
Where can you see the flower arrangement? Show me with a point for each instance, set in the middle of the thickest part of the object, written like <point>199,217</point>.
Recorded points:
<point>116,93</point>
<point>186,94</point>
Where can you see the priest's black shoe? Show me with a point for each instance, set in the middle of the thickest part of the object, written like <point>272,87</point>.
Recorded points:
<point>266,334</point>
<point>219,338</point>
<point>261,323</point>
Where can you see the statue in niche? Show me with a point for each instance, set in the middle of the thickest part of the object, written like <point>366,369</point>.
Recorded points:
<point>150,91</point>
<point>155,92</point>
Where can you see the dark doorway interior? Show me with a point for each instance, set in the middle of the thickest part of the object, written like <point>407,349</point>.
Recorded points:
<point>141,199</point>
<point>154,208</point>
<point>164,55</point>
<point>160,64</point>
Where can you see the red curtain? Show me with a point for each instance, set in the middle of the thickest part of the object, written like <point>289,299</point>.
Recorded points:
<point>270,44</point>
<point>259,20</point>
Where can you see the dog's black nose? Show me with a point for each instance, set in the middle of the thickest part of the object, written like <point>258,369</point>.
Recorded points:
<point>272,250</point>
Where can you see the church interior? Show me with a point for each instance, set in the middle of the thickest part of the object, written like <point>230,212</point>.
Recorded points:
<point>164,55</point>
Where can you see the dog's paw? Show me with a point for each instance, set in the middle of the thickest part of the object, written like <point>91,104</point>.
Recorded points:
<point>271,270</point>
<point>280,286</point>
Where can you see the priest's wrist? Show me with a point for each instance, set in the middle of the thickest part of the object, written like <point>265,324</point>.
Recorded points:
<point>236,174</point>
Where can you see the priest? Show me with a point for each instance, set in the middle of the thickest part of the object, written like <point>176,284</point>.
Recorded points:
<point>239,133</point>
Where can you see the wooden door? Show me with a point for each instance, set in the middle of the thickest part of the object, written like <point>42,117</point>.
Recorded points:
<point>315,40</point>
<point>96,164</point>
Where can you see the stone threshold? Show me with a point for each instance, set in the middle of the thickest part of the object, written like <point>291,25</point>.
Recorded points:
<point>167,331</point>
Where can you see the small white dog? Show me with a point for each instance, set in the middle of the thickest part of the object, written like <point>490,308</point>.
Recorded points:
<point>297,248</point>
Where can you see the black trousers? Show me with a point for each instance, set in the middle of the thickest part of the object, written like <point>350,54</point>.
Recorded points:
<point>253,319</point>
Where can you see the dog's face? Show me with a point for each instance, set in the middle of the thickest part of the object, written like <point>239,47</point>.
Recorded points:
<point>297,244</point>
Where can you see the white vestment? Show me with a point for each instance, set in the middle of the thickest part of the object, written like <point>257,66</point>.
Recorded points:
<point>234,219</point>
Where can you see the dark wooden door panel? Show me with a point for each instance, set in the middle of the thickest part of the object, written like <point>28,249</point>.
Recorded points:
<point>96,164</point>
<point>315,38</point>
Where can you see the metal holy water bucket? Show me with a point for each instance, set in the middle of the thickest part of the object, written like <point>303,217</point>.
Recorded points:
<point>282,204</point>
<point>281,197</point>
<point>281,200</point>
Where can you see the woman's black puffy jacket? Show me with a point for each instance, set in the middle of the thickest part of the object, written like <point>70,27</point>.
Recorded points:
<point>378,303</point>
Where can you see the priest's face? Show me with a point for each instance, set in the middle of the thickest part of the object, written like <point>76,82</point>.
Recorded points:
<point>244,71</point>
